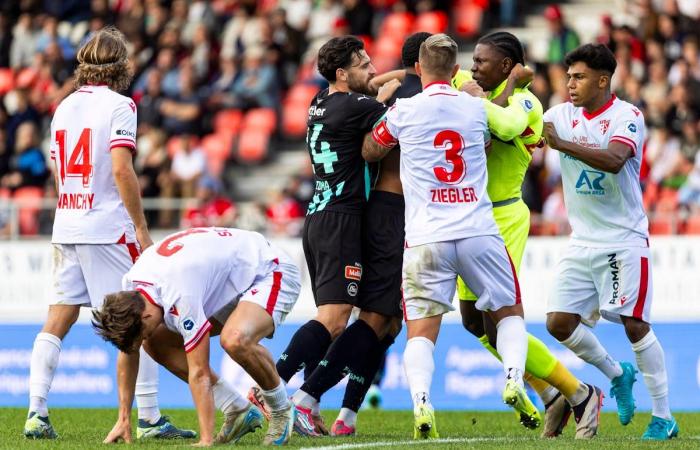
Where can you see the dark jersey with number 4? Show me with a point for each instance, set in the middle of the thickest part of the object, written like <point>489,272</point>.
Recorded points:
<point>337,125</point>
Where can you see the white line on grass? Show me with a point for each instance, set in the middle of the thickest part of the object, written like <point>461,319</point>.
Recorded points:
<point>420,442</point>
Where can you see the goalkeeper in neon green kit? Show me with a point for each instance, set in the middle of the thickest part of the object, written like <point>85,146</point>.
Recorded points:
<point>495,57</point>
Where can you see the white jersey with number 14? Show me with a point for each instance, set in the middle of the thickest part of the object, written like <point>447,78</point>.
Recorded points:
<point>87,125</point>
<point>604,208</point>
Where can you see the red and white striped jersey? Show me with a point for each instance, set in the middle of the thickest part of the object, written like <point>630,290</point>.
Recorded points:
<point>442,133</point>
<point>604,208</point>
<point>195,273</point>
<point>87,125</point>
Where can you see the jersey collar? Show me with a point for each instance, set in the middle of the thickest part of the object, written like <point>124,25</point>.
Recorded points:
<point>435,83</point>
<point>496,92</point>
<point>601,110</point>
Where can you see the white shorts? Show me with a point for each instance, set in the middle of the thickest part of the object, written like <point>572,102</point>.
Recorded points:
<point>595,282</point>
<point>276,292</point>
<point>82,274</point>
<point>430,275</point>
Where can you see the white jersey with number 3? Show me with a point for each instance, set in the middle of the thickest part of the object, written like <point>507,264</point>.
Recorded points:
<point>87,125</point>
<point>442,133</point>
<point>604,208</point>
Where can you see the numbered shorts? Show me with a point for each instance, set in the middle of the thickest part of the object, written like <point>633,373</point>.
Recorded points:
<point>513,223</point>
<point>382,254</point>
<point>430,274</point>
<point>332,244</point>
<point>276,292</point>
<point>595,282</point>
<point>82,274</point>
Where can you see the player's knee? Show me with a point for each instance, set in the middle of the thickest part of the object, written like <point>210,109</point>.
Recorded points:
<point>560,329</point>
<point>237,343</point>
<point>475,327</point>
<point>635,329</point>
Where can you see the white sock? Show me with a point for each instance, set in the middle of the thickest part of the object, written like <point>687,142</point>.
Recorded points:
<point>511,343</point>
<point>651,362</point>
<point>303,399</point>
<point>579,396</point>
<point>348,416</point>
<point>146,392</point>
<point>587,347</point>
<point>548,394</point>
<point>419,365</point>
<point>227,399</point>
<point>316,409</point>
<point>45,352</point>
<point>276,399</point>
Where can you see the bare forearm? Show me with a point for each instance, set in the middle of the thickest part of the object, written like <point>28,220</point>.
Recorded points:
<point>130,193</point>
<point>601,160</point>
<point>127,370</point>
<point>201,386</point>
<point>376,82</point>
<point>372,151</point>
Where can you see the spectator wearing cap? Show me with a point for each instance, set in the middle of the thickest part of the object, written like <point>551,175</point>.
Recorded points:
<point>213,210</point>
<point>563,39</point>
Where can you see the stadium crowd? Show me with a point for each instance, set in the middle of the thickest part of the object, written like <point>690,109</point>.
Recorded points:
<point>225,82</point>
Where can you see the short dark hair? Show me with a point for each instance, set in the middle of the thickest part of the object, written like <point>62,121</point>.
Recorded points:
<point>337,54</point>
<point>596,56</point>
<point>507,43</point>
<point>411,47</point>
<point>119,319</point>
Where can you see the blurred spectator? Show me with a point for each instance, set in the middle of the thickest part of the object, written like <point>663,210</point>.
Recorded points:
<point>256,85</point>
<point>153,166</point>
<point>49,35</point>
<point>20,110</point>
<point>213,210</point>
<point>563,39</point>
<point>28,164</point>
<point>24,37</point>
<point>181,112</point>
<point>149,105</point>
<point>283,213</point>
<point>358,15</point>
<point>689,193</point>
<point>189,164</point>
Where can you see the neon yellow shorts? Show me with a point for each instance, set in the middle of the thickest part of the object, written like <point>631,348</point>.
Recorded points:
<point>513,222</point>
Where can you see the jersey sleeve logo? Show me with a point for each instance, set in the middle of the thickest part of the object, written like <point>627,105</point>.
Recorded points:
<point>630,130</point>
<point>604,125</point>
<point>527,105</point>
<point>187,325</point>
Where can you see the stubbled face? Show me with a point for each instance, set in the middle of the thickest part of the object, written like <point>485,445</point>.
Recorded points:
<point>490,68</point>
<point>360,72</point>
<point>585,83</point>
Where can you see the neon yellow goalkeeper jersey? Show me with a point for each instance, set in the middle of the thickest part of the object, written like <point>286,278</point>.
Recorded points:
<point>515,132</point>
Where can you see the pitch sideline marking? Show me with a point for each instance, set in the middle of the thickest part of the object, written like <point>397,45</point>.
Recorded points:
<point>412,442</point>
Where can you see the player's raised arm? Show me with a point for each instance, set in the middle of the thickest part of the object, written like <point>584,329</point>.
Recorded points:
<point>610,160</point>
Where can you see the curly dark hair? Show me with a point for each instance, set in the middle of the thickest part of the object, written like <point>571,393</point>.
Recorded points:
<point>119,320</point>
<point>104,60</point>
<point>411,46</point>
<point>337,54</point>
<point>596,56</point>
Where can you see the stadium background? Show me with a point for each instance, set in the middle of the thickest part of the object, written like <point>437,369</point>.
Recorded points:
<point>222,89</point>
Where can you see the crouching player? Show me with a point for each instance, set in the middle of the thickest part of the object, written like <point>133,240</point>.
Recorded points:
<point>192,285</point>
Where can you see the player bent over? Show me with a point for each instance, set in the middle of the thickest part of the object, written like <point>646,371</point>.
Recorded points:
<point>450,228</point>
<point>99,224</point>
<point>192,285</point>
<point>606,271</point>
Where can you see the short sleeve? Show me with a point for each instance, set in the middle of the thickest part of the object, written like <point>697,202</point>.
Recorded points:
<point>369,111</point>
<point>385,131</point>
<point>53,145</point>
<point>629,130</point>
<point>548,116</point>
<point>123,126</point>
<point>187,316</point>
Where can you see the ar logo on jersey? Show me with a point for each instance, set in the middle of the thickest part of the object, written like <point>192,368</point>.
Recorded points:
<point>604,125</point>
<point>589,183</point>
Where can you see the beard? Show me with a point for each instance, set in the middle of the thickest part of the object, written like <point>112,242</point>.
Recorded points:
<point>359,86</point>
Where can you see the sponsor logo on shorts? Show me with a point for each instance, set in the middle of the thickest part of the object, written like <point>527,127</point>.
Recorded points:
<point>352,289</point>
<point>353,272</point>
<point>616,279</point>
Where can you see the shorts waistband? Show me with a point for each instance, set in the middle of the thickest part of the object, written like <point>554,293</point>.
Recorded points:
<point>388,199</point>
<point>506,202</point>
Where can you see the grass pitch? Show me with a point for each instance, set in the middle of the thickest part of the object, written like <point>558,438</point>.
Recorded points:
<point>85,429</point>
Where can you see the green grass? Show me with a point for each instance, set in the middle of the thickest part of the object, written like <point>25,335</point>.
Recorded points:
<point>85,428</point>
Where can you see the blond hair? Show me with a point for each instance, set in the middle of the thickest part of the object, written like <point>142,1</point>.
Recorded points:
<point>438,55</point>
<point>104,60</point>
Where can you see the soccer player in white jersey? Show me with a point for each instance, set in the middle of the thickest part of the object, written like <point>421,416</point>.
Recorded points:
<point>192,285</point>
<point>99,224</point>
<point>606,271</point>
<point>450,228</point>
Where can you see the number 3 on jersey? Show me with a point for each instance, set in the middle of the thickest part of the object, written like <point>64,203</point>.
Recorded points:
<point>80,161</point>
<point>453,144</point>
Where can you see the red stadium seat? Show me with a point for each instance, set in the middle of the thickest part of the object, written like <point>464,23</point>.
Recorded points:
<point>29,199</point>
<point>217,145</point>
<point>367,41</point>
<point>262,119</point>
<point>383,63</point>
<point>253,146</point>
<point>692,225</point>
<point>294,117</point>
<point>7,81</point>
<point>173,144</point>
<point>387,46</point>
<point>468,20</point>
<point>432,22</point>
<point>301,93</point>
<point>661,224</point>
<point>228,121</point>
<point>397,24</point>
